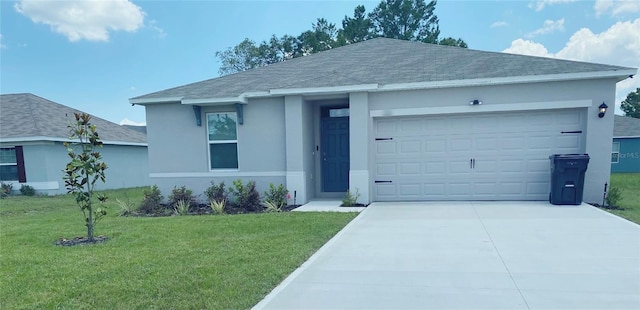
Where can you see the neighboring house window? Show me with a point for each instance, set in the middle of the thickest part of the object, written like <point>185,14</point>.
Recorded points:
<point>223,140</point>
<point>615,153</point>
<point>12,164</point>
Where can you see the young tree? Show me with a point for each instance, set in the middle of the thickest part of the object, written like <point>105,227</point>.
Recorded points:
<point>85,169</point>
<point>631,105</point>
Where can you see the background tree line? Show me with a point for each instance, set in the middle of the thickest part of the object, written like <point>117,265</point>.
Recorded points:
<point>413,20</point>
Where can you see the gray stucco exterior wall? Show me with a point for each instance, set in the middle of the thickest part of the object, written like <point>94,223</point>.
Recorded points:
<point>178,148</point>
<point>278,141</point>
<point>597,134</point>
<point>45,161</point>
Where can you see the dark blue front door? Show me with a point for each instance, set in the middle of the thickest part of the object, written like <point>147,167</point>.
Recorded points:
<point>335,154</point>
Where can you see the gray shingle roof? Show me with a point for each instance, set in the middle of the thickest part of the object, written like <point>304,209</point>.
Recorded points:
<point>379,61</point>
<point>625,126</point>
<point>28,116</point>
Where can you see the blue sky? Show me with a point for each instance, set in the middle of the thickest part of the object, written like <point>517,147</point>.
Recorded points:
<point>95,55</point>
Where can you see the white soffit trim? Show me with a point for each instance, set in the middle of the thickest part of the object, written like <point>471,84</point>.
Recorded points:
<point>217,174</point>
<point>507,107</point>
<point>626,137</point>
<point>143,101</point>
<point>323,90</point>
<point>621,75</point>
<point>52,139</point>
<point>215,101</point>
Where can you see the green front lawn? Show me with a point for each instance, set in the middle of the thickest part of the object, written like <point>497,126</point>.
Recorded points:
<point>629,184</point>
<point>190,262</point>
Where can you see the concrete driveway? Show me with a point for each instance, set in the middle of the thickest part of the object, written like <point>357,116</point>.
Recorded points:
<point>471,255</point>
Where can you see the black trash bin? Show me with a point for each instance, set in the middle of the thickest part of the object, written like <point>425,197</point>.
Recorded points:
<point>567,178</point>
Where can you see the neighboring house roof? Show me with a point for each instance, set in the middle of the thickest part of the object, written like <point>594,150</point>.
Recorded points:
<point>624,126</point>
<point>142,129</point>
<point>379,62</point>
<point>26,117</point>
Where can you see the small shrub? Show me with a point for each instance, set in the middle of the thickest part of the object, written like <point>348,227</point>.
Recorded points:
<point>127,207</point>
<point>350,199</point>
<point>5,189</point>
<point>246,196</point>
<point>276,195</point>
<point>181,208</point>
<point>216,192</point>
<point>152,201</point>
<point>613,197</point>
<point>27,190</point>
<point>217,207</point>
<point>181,194</point>
<point>272,207</point>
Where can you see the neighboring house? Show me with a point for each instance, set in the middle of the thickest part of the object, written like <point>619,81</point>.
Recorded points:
<point>625,154</point>
<point>32,131</point>
<point>394,120</point>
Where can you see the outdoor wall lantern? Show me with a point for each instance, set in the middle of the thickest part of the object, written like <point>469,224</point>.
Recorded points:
<point>475,102</point>
<point>602,110</point>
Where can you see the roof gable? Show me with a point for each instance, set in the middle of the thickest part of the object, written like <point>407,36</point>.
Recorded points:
<point>29,116</point>
<point>379,61</point>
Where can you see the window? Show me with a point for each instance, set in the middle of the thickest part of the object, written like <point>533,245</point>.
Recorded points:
<point>334,112</point>
<point>223,140</point>
<point>615,153</point>
<point>12,164</point>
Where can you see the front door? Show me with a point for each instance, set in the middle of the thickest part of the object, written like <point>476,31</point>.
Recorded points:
<point>335,153</point>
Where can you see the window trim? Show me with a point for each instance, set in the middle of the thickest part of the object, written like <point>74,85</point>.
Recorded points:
<point>615,152</point>
<point>22,176</point>
<point>209,142</point>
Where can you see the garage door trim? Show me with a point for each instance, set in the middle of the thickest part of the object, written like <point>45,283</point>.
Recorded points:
<point>507,107</point>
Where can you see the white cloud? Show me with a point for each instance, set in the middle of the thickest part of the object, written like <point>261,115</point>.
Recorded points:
<point>90,20</point>
<point>616,7</point>
<point>526,47</point>
<point>499,24</point>
<point>127,121</point>
<point>153,25</point>
<point>540,4</point>
<point>618,45</point>
<point>549,26</point>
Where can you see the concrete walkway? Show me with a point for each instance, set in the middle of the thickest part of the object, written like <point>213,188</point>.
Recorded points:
<point>471,255</point>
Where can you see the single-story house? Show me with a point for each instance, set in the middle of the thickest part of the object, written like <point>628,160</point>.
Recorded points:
<point>393,120</point>
<point>625,154</point>
<point>32,133</point>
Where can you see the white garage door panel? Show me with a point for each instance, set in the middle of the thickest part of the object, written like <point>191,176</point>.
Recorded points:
<point>429,158</point>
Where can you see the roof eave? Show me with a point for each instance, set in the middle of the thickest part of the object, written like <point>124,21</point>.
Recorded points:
<point>626,137</point>
<point>145,101</point>
<point>619,74</point>
<point>216,101</point>
<point>243,98</point>
<point>324,90</point>
<point>56,139</point>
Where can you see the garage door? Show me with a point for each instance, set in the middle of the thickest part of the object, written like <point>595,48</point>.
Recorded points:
<point>501,156</point>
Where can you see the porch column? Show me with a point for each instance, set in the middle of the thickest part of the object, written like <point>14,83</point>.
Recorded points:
<point>295,177</point>
<point>359,127</point>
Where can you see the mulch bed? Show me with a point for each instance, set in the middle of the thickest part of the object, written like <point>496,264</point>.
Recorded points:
<point>80,241</point>
<point>204,209</point>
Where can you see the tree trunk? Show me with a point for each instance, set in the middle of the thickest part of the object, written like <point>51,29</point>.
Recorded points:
<point>90,209</point>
